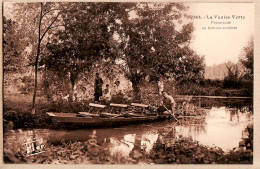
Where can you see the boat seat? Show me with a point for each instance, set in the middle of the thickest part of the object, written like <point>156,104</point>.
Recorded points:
<point>118,106</point>
<point>95,105</point>
<point>139,105</point>
<point>51,114</point>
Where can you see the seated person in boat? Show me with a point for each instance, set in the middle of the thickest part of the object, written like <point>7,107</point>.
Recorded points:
<point>118,88</point>
<point>168,104</point>
<point>106,95</point>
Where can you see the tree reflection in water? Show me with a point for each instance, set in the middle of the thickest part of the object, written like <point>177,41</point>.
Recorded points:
<point>124,146</point>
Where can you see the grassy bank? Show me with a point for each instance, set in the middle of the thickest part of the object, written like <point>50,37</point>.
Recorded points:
<point>17,107</point>
<point>209,90</point>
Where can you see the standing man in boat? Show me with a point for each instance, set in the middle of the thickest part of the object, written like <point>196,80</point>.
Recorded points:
<point>98,87</point>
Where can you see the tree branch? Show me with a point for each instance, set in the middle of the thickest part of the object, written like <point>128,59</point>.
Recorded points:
<point>49,27</point>
<point>56,26</point>
<point>39,31</point>
<point>49,12</point>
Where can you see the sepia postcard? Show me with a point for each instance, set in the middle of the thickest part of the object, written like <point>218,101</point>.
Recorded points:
<point>130,84</point>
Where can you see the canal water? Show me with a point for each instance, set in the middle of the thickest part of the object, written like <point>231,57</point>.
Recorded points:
<point>222,127</point>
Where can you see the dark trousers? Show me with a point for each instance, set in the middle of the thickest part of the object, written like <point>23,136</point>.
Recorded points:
<point>161,109</point>
<point>98,93</point>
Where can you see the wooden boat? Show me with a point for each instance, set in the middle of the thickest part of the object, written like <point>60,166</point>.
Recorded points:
<point>102,119</point>
<point>72,119</point>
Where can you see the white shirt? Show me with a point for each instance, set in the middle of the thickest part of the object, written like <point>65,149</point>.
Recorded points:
<point>160,86</point>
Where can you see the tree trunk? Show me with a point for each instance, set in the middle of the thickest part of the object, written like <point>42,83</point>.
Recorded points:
<point>72,92</point>
<point>137,92</point>
<point>73,77</point>
<point>35,83</point>
<point>40,37</point>
<point>36,61</point>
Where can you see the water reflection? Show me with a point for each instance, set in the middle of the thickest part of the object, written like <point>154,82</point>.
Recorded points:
<point>131,142</point>
<point>234,114</point>
<point>124,146</point>
<point>222,127</point>
<point>191,128</point>
<point>148,140</point>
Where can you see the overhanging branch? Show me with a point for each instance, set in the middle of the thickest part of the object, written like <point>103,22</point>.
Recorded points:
<point>50,11</point>
<point>49,27</point>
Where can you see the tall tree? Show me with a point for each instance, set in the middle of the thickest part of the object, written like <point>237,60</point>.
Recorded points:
<point>45,9</point>
<point>247,58</point>
<point>233,75</point>
<point>87,38</point>
<point>12,49</point>
<point>155,42</point>
<point>35,25</point>
<point>11,46</point>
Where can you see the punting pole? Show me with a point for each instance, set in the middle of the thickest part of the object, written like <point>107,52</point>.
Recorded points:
<point>170,112</point>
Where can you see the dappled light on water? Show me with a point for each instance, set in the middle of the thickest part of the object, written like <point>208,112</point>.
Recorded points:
<point>223,128</point>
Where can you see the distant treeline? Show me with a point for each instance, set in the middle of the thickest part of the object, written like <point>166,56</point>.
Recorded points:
<point>218,71</point>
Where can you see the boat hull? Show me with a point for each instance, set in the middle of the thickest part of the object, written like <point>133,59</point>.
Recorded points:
<point>71,120</point>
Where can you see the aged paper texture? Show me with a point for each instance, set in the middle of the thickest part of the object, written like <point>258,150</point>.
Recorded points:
<point>96,85</point>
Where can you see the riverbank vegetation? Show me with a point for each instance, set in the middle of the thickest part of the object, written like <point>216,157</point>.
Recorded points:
<point>166,150</point>
<point>17,108</point>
